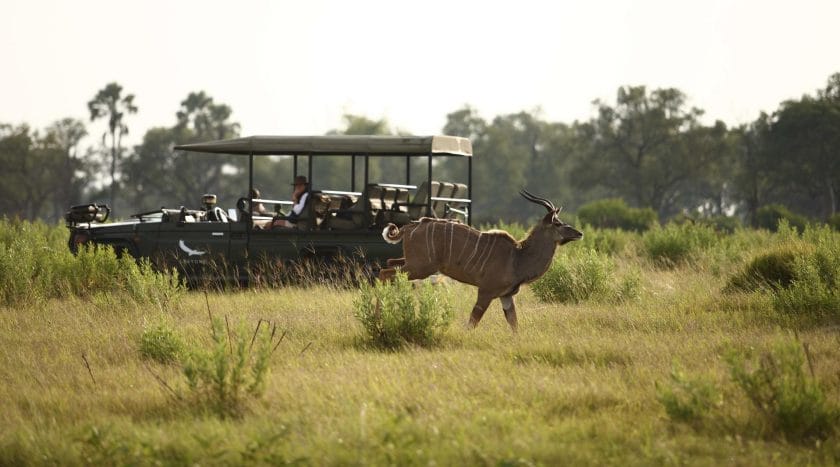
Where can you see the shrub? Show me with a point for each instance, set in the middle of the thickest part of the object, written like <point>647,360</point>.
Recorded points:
<point>772,269</point>
<point>35,264</point>
<point>768,217</point>
<point>392,313</point>
<point>788,399</point>
<point>676,244</point>
<point>586,275</point>
<point>608,241</point>
<point>160,344</point>
<point>803,274</point>
<point>834,221</point>
<point>614,213</point>
<point>687,399</point>
<point>815,291</point>
<point>224,377</point>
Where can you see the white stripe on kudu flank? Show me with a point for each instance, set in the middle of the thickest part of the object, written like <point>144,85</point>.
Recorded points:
<point>434,252</point>
<point>451,236</point>
<point>489,252</point>
<point>464,244</point>
<point>475,250</point>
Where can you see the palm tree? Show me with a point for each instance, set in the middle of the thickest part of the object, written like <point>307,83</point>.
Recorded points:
<point>110,103</point>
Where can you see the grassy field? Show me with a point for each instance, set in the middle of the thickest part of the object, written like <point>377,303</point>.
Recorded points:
<point>581,383</point>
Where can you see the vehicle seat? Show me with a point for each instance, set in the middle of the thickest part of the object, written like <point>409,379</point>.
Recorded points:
<point>417,207</point>
<point>446,191</point>
<point>317,205</point>
<point>458,210</point>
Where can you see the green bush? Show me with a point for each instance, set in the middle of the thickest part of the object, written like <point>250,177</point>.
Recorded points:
<point>614,213</point>
<point>772,269</point>
<point>35,264</point>
<point>834,221</point>
<point>676,244</point>
<point>803,274</point>
<point>688,399</point>
<point>608,241</point>
<point>768,217</point>
<point>161,344</point>
<point>392,314</point>
<point>815,291</point>
<point>584,275</point>
<point>787,397</point>
<point>226,376</point>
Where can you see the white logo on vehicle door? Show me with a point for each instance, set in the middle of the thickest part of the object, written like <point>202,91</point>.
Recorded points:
<point>183,246</point>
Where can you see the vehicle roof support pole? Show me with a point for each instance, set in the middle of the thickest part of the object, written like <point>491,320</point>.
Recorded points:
<point>309,171</point>
<point>365,191</point>
<point>408,170</point>
<point>353,173</point>
<point>250,205</point>
<point>429,200</point>
<point>469,191</point>
<point>294,167</point>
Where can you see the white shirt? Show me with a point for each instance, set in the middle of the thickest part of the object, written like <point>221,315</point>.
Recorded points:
<point>298,208</point>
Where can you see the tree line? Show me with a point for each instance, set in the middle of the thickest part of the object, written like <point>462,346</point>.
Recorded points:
<point>647,147</point>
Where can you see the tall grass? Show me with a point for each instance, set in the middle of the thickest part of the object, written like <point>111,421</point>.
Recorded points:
<point>36,265</point>
<point>393,314</point>
<point>677,244</point>
<point>787,397</point>
<point>801,273</point>
<point>578,275</point>
<point>575,386</point>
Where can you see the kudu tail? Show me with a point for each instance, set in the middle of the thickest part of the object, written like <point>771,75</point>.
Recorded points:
<point>392,234</point>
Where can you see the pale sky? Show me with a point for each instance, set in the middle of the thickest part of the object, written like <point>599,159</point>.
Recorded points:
<point>294,68</point>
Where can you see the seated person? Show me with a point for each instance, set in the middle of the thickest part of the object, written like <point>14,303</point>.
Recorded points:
<point>299,196</point>
<point>259,208</point>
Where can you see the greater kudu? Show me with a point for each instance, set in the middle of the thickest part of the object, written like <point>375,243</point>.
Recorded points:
<point>493,261</point>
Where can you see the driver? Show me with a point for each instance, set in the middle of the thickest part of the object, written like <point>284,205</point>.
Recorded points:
<point>300,194</point>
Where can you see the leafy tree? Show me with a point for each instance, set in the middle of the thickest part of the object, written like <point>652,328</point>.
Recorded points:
<point>111,104</point>
<point>754,179</point>
<point>34,171</point>
<point>158,175</point>
<point>512,152</point>
<point>646,147</point>
<point>332,172</point>
<point>806,137</point>
<point>64,136</point>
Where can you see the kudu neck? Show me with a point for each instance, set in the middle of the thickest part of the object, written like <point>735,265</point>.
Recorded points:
<point>536,252</point>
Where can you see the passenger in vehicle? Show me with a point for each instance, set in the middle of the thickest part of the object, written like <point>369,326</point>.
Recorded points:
<point>300,195</point>
<point>259,208</point>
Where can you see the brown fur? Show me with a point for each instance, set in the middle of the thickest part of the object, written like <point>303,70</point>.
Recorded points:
<point>493,261</point>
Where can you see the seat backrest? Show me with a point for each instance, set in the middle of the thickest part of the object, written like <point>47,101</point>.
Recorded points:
<point>421,198</point>
<point>317,205</point>
<point>374,196</point>
<point>446,191</point>
<point>389,196</point>
<point>461,191</point>
<point>402,200</point>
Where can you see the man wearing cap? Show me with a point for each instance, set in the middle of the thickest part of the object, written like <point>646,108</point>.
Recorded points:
<point>299,197</point>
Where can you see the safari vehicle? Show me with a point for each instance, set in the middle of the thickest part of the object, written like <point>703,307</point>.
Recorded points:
<point>334,223</point>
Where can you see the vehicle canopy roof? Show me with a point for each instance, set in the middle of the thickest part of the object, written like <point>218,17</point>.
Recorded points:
<point>336,145</point>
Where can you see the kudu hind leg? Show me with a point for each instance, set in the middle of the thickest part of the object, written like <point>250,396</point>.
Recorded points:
<point>510,311</point>
<point>388,273</point>
<point>480,307</point>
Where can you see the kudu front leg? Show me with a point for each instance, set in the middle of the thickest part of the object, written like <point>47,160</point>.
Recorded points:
<point>480,307</point>
<point>510,311</point>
